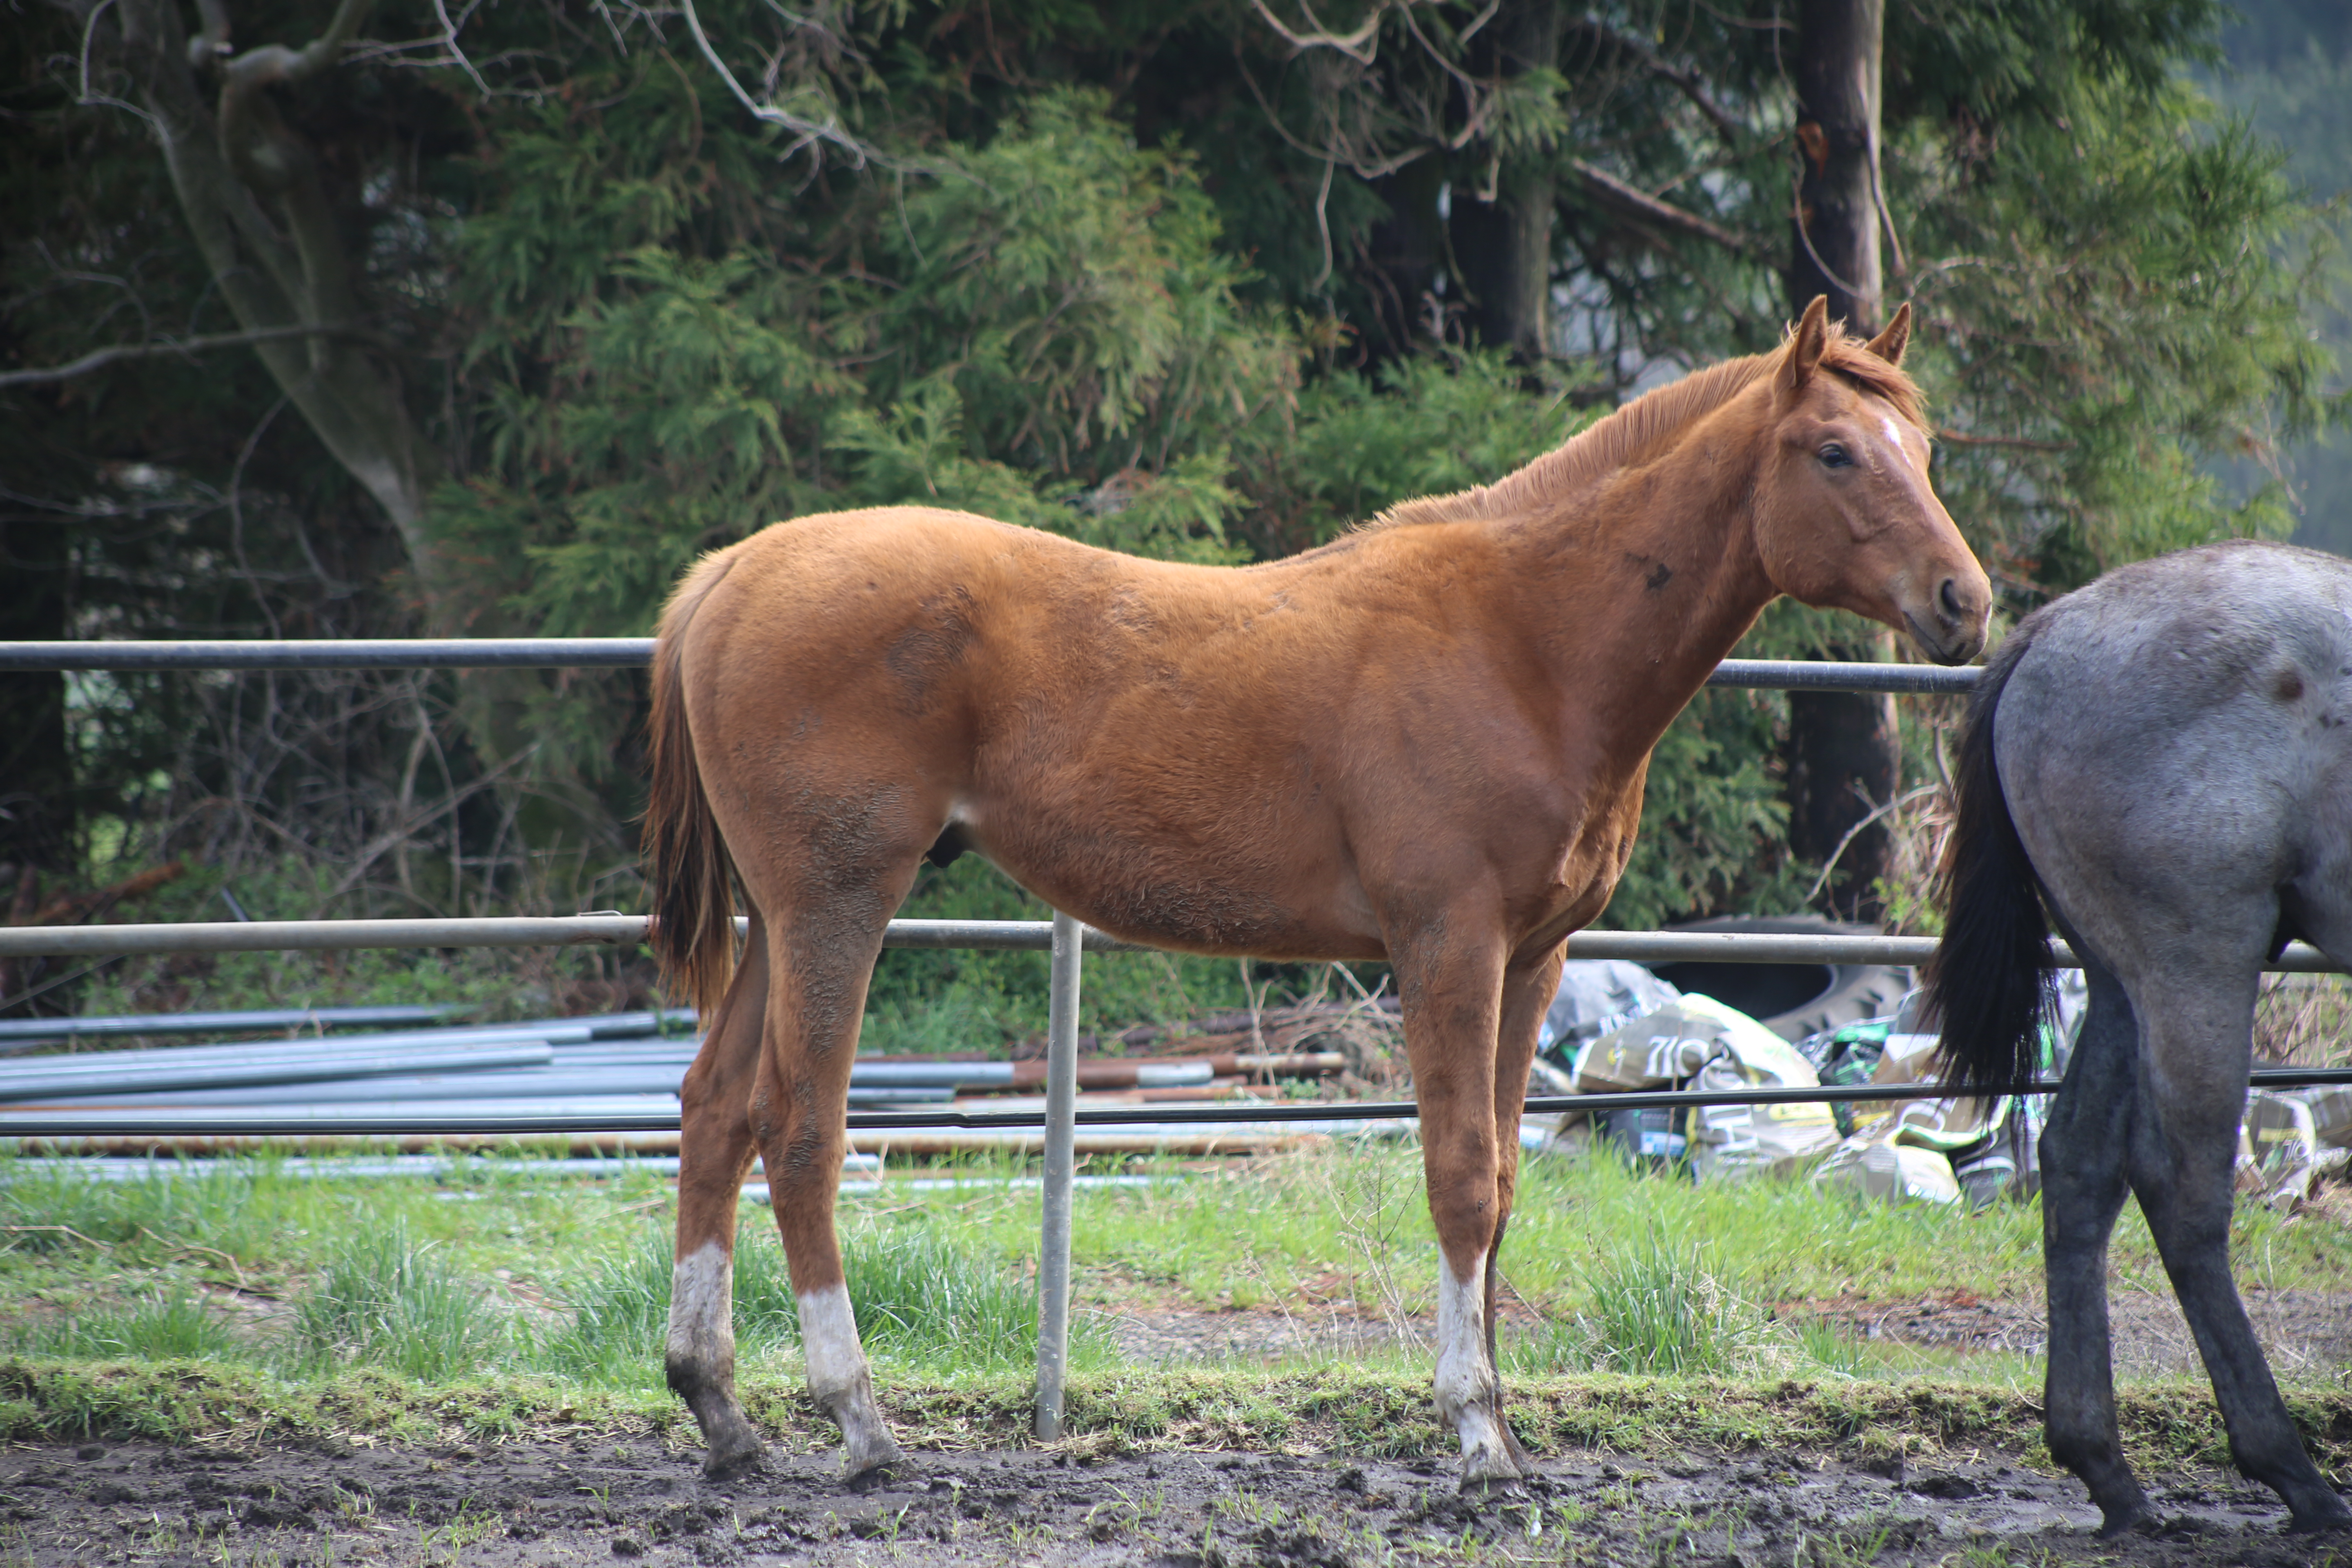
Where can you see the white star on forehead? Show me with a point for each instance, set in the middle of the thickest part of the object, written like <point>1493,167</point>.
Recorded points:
<point>1895,435</point>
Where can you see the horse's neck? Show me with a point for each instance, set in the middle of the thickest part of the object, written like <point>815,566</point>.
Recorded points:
<point>1659,568</point>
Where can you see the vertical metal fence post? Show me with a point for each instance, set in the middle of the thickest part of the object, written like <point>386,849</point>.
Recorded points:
<point>1061,1134</point>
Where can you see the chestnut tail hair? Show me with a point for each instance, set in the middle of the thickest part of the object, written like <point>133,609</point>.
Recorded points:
<point>693,877</point>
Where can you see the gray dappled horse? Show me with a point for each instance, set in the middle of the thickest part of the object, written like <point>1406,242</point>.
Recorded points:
<point>2166,755</point>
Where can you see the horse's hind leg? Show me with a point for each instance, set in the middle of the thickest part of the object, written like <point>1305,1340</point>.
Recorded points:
<point>2083,1187</point>
<point>819,970</point>
<point>714,1151</point>
<point>2184,1143</point>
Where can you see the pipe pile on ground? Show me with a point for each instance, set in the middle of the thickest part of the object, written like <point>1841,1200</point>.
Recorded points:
<point>619,1065</point>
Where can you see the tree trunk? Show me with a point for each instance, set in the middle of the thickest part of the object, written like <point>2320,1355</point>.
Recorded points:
<point>1845,753</point>
<point>1835,249</point>
<point>35,766</point>
<point>1503,246</point>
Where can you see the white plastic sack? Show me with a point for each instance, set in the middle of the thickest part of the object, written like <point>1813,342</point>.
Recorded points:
<point>1717,1047</point>
<point>1893,1173</point>
<point>1597,996</point>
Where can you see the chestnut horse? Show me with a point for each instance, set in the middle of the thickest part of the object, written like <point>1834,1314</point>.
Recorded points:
<point>1424,742</point>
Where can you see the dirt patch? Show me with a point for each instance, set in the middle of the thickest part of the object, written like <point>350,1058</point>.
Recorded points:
<point>2301,1331</point>
<point>594,1501</point>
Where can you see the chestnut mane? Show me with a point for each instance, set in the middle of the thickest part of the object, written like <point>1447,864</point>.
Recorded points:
<point>1623,440</point>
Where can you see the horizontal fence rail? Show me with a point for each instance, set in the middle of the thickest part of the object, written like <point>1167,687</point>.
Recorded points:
<point>240,1123</point>
<point>1033,936</point>
<point>337,653</point>
<point>625,653</point>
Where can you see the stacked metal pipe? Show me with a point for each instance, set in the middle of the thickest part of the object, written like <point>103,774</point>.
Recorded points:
<point>618,1064</point>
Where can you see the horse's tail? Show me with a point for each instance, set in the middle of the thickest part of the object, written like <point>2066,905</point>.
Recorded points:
<point>1989,980</point>
<point>693,877</point>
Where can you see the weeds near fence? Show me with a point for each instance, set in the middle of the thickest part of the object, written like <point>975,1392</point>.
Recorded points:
<point>920,1300</point>
<point>563,1282</point>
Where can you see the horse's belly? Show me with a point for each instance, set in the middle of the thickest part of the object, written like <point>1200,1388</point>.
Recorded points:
<point>1242,892</point>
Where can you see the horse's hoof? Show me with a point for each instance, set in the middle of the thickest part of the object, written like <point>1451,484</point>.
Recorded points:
<point>735,1462</point>
<point>1496,1489</point>
<point>1489,1469</point>
<point>2321,1522</point>
<point>2135,1520</point>
<point>870,1460</point>
<point>873,1478</point>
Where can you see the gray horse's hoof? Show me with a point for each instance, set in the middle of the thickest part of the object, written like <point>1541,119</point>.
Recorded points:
<point>874,1455</point>
<point>1491,1471</point>
<point>2321,1522</point>
<point>873,1478</point>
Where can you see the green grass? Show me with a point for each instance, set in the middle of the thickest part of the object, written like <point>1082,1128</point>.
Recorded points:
<point>165,1325</point>
<point>920,1300</point>
<point>382,1298</point>
<point>553,1282</point>
<point>1655,1311</point>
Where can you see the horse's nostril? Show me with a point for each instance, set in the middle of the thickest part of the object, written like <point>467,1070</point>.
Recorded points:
<point>1951,597</point>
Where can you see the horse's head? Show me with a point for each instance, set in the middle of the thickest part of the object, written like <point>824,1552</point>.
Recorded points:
<point>1845,516</point>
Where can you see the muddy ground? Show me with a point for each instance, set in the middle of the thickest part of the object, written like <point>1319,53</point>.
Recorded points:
<point>642,1504</point>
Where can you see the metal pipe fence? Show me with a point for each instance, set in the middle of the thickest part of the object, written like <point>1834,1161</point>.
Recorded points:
<point>634,653</point>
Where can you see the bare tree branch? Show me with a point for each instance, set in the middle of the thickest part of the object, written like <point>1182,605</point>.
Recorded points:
<point>1607,190</point>
<point>99,359</point>
<point>275,62</point>
<point>1726,124</point>
<point>806,132</point>
<point>1362,46</point>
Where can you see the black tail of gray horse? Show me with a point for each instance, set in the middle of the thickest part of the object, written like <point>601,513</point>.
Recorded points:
<point>1989,980</point>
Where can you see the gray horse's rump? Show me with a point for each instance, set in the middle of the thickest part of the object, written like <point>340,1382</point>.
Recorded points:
<point>2173,749</point>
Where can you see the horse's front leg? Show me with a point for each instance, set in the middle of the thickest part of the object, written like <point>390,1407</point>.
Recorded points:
<point>1450,978</point>
<point>714,1151</point>
<point>1527,991</point>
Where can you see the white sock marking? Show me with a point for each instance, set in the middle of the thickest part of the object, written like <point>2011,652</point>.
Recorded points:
<point>836,1360</point>
<point>1465,1384</point>
<point>702,1309</point>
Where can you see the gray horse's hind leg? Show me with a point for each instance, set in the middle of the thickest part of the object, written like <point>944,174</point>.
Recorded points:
<point>2082,1186</point>
<point>2184,1144</point>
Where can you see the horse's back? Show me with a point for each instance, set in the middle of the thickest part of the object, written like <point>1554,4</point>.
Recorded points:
<point>2174,750</point>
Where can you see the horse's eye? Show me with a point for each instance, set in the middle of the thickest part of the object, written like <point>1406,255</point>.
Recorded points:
<point>1833,455</point>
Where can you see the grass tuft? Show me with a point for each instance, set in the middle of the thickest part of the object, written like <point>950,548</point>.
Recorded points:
<point>920,1300</point>
<point>166,1324</point>
<point>386,1301</point>
<point>1654,1310</point>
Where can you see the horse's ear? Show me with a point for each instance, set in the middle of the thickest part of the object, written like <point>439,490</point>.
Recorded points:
<point>1806,344</point>
<point>1889,344</point>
